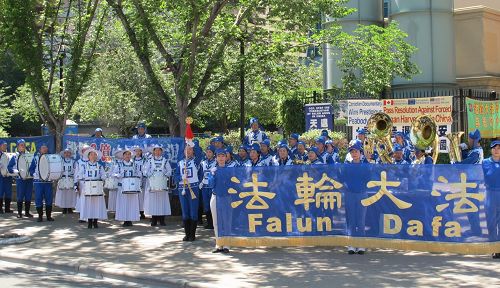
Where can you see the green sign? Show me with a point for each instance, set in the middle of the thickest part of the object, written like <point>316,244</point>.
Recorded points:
<point>485,116</point>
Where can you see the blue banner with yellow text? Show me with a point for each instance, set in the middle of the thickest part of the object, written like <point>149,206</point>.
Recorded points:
<point>435,208</point>
<point>32,143</point>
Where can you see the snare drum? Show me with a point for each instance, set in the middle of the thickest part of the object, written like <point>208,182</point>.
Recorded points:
<point>158,183</point>
<point>23,165</point>
<point>65,183</point>
<point>93,188</point>
<point>4,162</point>
<point>131,185</point>
<point>111,183</point>
<point>50,167</point>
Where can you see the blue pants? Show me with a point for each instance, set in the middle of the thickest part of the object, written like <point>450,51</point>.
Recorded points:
<point>5,187</point>
<point>206,193</point>
<point>43,190</point>
<point>355,214</point>
<point>190,206</point>
<point>492,207</point>
<point>24,189</point>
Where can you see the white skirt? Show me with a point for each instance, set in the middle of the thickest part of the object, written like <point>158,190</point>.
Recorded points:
<point>127,207</point>
<point>93,207</point>
<point>156,203</point>
<point>65,198</point>
<point>112,200</point>
<point>141,195</point>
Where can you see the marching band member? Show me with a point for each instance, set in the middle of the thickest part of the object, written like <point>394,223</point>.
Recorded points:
<point>255,156</point>
<point>355,179</point>
<point>43,189</point>
<point>98,133</point>
<point>491,170</point>
<point>189,195</point>
<point>139,163</point>
<point>141,132</point>
<point>398,155</point>
<point>300,155</point>
<point>221,161</point>
<point>292,143</point>
<point>324,133</point>
<point>24,187</point>
<point>399,139</point>
<point>92,208</point>
<point>422,157</point>
<point>332,151</point>
<point>82,161</point>
<point>313,157</point>
<point>230,162</point>
<point>206,192</point>
<point>243,156</point>
<point>66,197</point>
<point>218,142</point>
<point>127,205</point>
<point>283,157</point>
<point>157,203</point>
<point>265,152</point>
<point>5,184</point>
<point>255,135</point>
<point>320,144</point>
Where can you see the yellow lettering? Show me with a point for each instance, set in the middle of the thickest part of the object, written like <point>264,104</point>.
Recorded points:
<point>392,224</point>
<point>273,224</point>
<point>415,228</point>
<point>254,221</point>
<point>453,229</point>
<point>289,222</point>
<point>324,220</point>
<point>436,224</point>
<point>300,225</point>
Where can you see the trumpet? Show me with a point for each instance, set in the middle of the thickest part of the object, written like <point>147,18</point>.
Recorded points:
<point>423,133</point>
<point>380,126</point>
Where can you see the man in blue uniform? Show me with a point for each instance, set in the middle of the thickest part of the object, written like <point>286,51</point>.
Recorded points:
<point>255,135</point>
<point>5,184</point>
<point>141,132</point>
<point>266,156</point>
<point>292,143</point>
<point>24,187</point>
<point>491,170</point>
<point>43,189</point>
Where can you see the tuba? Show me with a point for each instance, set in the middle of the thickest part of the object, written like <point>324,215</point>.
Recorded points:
<point>380,127</point>
<point>423,133</point>
<point>454,151</point>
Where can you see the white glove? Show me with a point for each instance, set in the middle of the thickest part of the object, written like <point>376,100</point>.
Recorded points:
<point>463,146</point>
<point>201,185</point>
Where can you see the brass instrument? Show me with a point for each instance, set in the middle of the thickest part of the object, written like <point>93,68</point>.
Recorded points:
<point>455,152</point>
<point>380,126</point>
<point>423,133</point>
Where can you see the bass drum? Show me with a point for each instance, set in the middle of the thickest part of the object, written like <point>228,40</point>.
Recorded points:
<point>4,162</point>
<point>50,167</point>
<point>23,165</point>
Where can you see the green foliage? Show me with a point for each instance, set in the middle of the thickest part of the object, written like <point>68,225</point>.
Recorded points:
<point>292,114</point>
<point>5,111</point>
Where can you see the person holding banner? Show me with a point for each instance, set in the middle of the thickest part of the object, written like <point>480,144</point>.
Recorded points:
<point>141,132</point>
<point>156,199</point>
<point>398,155</point>
<point>355,179</point>
<point>255,157</point>
<point>218,142</point>
<point>332,151</point>
<point>127,204</point>
<point>320,144</point>
<point>230,162</point>
<point>399,139</point>
<point>92,203</point>
<point>300,156</point>
<point>140,163</point>
<point>5,182</point>
<point>491,170</point>
<point>189,194</point>
<point>313,157</point>
<point>206,192</point>
<point>65,196</point>
<point>24,187</point>
<point>255,135</point>
<point>243,156</point>
<point>265,152</point>
<point>292,143</point>
<point>221,162</point>
<point>283,157</point>
<point>43,189</point>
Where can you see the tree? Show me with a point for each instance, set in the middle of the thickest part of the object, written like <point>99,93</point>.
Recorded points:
<point>193,38</point>
<point>47,38</point>
<point>5,111</point>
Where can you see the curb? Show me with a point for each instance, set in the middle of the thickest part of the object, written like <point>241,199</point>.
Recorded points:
<point>99,273</point>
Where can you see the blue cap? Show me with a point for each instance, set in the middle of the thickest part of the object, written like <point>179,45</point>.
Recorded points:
<point>315,150</point>
<point>475,135</point>
<point>397,148</point>
<point>362,131</point>
<point>243,147</point>
<point>253,120</point>
<point>400,134</point>
<point>283,146</point>
<point>98,130</point>
<point>44,144</point>
<point>229,149</point>
<point>255,147</point>
<point>2,142</point>
<point>213,140</point>
<point>356,146</point>
<point>266,142</point>
<point>294,136</point>
<point>20,141</point>
<point>301,143</point>
<point>494,143</point>
<point>141,125</point>
<point>218,139</point>
<point>211,148</point>
<point>321,139</point>
<point>329,142</point>
<point>220,151</point>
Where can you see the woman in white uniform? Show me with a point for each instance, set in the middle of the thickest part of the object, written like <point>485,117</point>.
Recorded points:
<point>112,192</point>
<point>93,208</point>
<point>127,205</point>
<point>139,162</point>
<point>79,164</point>
<point>157,202</point>
<point>65,196</point>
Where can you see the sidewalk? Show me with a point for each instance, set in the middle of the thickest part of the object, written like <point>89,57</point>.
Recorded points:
<point>157,256</point>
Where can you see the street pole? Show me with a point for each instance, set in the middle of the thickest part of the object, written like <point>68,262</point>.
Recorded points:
<point>242,91</point>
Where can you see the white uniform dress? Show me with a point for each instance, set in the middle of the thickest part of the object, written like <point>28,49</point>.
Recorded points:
<point>91,207</point>
<point>127,205</point>
<point>66,198</point>
<point>112,192</point>
<point>78,182</point>
<point>157,203</point>
<point>139,167</point>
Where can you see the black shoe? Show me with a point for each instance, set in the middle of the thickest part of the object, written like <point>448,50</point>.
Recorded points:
<point>1,206</point>
<point>39,210</point>
<point>217,250</point>
<point>95,224</point>
<point>48,213</point>
<point>27,206</point>
<point>192,231</point>
<point>162,220</point>
<point>125,224</point>
<point>7,205</point>
<point>89,226</point>
<point>130,224</point>
<point>495,255</point>
<point>65,211</point>
<point>210,221</point>
<point>143,216</point>
<point>19,209</point>
<point>187,224</point>
<point>361,252</point>
<point>225,251</point>
<point>70,211</point>
<point>351,252</point>
<point>154,221</point>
